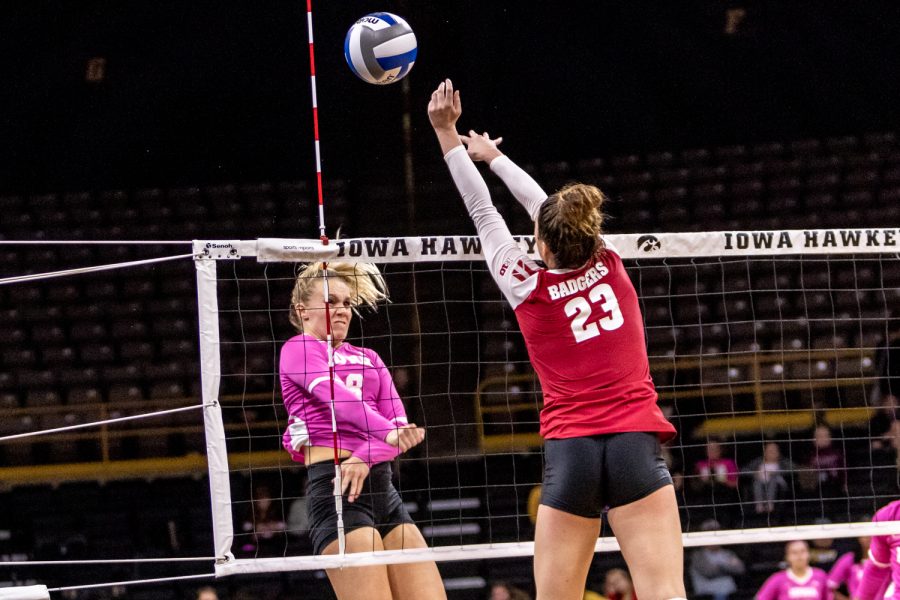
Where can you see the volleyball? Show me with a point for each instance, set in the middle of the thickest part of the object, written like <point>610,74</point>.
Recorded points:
<point>380,48</point>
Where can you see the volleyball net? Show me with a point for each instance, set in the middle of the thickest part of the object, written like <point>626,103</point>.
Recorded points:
<point>756,339</point>
<point>766,348</point>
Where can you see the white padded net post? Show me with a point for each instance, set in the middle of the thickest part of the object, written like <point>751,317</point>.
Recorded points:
<point>754,338</point>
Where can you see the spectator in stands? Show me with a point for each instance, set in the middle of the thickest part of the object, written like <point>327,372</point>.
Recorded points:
<point>675,466</point>
<point>886,460</point>
<point>264,523</point>
<point>372,431</point>
<point>770,474</point>
<point>886,449</point>
<point>501,590</point>
<point>885,416</point>
<point>207,593</point>
<point>297,520</point>
<point>886,393</point>
<point>617,585</point>
<point>799,580</point>
<point>827,469</point>
<point>716,479</point>
<point>713,568</point>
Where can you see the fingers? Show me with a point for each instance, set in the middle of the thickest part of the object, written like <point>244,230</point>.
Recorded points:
<point>355,486</point>
<point>465,139</point>
<point>444,95</point>
<point>487,137</point>
<point>410,436</point>
<point>345,481</point>
<point>353,477</point>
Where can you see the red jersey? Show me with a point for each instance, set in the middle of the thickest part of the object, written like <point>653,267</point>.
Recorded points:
<point>585,337</point>
<point>583,327</point>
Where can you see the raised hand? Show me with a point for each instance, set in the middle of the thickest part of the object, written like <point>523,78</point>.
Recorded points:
<point>481,146</point>
<point>444,108</point>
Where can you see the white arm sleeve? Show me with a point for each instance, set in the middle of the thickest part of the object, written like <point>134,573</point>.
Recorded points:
<point>512,269</point>
<point>523,187</point>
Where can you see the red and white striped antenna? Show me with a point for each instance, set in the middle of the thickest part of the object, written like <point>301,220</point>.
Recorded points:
<point>338,500</point>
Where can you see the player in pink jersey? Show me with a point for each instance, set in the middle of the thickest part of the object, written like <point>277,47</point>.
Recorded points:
<point>883,566</point>
<point>848,571</point>
<point>584,332</point>
<point>372,429</point>
<point>799,581</point>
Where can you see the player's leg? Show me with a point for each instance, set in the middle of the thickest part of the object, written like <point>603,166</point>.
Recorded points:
<point>413,580</point>
<point>408,581</point>
<point>351,583</point>
<point>649,534</point>
<point>568,518</point>
<point>643,515</point>
<point>563,549</point>
<point>360,583</point>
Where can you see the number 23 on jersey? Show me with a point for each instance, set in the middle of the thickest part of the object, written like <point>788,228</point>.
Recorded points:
<point>580,310</point>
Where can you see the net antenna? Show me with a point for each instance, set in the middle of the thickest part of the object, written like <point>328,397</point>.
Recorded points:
<point>758,381</point>
<point>338,481</point>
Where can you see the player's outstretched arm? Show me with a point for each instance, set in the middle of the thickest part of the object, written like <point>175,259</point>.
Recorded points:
<point>498,246</point>
<point>525,189</point>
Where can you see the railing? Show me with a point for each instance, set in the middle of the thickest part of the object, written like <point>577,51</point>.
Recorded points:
<point>109,437</point>
<point>498,405</point>
<point>761,375</point>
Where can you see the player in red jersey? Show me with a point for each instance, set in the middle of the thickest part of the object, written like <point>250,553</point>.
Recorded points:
<point>583,328</point>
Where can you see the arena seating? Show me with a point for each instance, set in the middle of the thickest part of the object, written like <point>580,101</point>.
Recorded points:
<point>124,341</point>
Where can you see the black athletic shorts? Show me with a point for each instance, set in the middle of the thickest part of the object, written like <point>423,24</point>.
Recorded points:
<point>379,505</point>
<point>584,475</point>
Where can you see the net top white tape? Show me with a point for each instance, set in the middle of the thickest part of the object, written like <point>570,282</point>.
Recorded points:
<point>517,549</point>
<point>439,248</point>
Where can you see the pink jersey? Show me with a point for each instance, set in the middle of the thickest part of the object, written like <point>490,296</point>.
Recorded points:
<point>583,327</point>
<point>366,404</point>
<point>846,571</point>
<point>784,585</point>
<point>884,559</point>
<point>723,470</point>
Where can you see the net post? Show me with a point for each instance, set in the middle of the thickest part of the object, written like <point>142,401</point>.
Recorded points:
<point>210,375</point>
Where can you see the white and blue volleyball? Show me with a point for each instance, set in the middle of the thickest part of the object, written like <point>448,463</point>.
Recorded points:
<point>380,48</point>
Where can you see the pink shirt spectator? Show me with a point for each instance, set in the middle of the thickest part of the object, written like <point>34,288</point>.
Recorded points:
<point>784,585</point>
<point>883,565</point>
<point>723,470</point>
<point>366,403</point>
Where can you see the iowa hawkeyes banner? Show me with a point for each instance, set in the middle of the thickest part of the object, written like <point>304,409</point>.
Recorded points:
<point>656,245</point>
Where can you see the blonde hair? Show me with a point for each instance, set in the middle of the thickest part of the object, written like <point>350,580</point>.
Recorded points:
<point>570,223</point>
<point>367,286</point>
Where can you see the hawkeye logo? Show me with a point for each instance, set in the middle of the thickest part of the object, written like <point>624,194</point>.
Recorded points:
<point>648,243</point>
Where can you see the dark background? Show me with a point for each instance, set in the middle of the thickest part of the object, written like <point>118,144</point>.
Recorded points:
<point>205,92</point>
<point>198,95</point>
